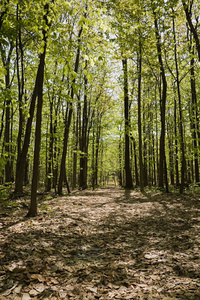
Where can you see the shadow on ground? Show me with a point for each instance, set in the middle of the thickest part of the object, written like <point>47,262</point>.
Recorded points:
<point>106,244</point>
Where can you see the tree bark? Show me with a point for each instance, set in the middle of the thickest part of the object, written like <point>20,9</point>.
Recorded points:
<point>139,67</point>
<point>83,139</point>
<point>182,147</point>
<point>20,80</point>
<point>33,205</point>
<point>187,10</point>
<point>128,175</point>
<point>75,137</point>
<point>162,102</point>
<point>194,117</point>
<point>21,163</point>
<point>120,159</point>
<point>98,134</point>
<point>7,103</point>
<point>68,117</point>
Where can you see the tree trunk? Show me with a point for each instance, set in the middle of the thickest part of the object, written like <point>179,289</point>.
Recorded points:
<point>139,67</point>
<point>144,150</point>
<point>171,152</point>
<point>33,205</point>
<point>20,80</point>
<point>50,154</point>
<point>120,159</point>
<point>21,162</point>
<point>98,134</point>
<point>75,136</point>
<point>136,164</point>
<point>68,117</point>
<point>176,144</point>
<point>182,147</point>
<point>83,139</point>
<point>193,28</point>
<point>162,103</point>
<point>128,175</point>
<point>7,103</point>
<point>194,116</point>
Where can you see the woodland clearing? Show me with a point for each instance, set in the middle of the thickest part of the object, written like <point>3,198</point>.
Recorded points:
<point>110,243</point>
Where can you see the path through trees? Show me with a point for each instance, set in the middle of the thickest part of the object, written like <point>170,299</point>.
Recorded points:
<point>105,244</point>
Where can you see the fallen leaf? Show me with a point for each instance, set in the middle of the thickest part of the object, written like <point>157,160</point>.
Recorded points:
<point>17,290</point>
<point>38,277</point>
<point>92,289</point>
<point>26,297</point>
<point>40,287</point>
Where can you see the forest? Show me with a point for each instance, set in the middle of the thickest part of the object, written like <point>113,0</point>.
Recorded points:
<point>99,149</point>
<point>99,91</point>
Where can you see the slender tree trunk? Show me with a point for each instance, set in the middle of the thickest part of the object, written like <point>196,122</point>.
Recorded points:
<point>128,175</point>
<point>193,28</point>
<point>83,139</point>
<point>156,141</point>
<point>162,102</point>
<point>144,150</point>
<point>165,172</point>
<point>93,159</point>
<point>154,162</point>
<point>139,66</point>
<point>7,140</point>
<point>75,134</point>
<point>68,117</point>
<point>20,80</point>
<point>21,163</point>
<point>182,147</point>
<point>98,134</point>
<point>194,116</point>
<point>50,152</point>
<point>171,152</point>
<point>176,144</point>
<point>136,165</point>
<point>33,205</point>
<point>7,103</point>
<point>120,159</point>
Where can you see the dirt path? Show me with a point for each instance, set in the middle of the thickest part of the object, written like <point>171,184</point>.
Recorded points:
<point>104,244</point>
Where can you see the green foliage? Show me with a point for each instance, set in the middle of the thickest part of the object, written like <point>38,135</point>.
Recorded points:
<point>4,194</point>
<point>111,30</point>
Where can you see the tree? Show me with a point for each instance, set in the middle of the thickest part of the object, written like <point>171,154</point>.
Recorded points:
<point>128,175</point>
<point>187,6</point>
<point>68,117</point>
<point>33,205</point>
<point>162,100</point>
<point>139,65</point>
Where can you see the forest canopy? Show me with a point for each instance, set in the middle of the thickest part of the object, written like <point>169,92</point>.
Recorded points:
<point>94,92</point>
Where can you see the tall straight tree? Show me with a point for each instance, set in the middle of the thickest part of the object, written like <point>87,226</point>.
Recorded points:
<point>139,66</point>
<point>33,205</point>
<point>194,111</point>
<point>83,137</point>
<point>20,81</point>
<point>187,6</point>
<point>182,148</point>
<point>6,60</point>
<point>128,175</point>
<point>162,100</point>
<point>68,118</point>
<point>22,156</point>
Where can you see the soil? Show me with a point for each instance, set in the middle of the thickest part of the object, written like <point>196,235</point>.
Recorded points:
<point>110,243</point>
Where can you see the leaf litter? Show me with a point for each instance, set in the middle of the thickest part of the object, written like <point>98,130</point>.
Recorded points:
<point>109,243</point>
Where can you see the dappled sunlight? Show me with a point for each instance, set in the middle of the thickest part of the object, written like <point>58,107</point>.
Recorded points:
<point>104,244</point>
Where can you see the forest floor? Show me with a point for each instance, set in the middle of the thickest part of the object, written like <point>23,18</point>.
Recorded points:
<point>109,243</point>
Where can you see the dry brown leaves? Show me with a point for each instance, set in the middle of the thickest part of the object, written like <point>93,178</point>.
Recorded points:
<point>105,244</point>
